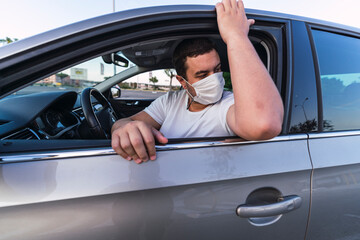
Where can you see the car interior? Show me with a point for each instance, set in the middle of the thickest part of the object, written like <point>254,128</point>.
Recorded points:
<point>55,115</point>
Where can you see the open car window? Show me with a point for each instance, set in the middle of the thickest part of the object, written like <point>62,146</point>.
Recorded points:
<point>56,111</point>
<point>87,74</point>
<point>149,85</point>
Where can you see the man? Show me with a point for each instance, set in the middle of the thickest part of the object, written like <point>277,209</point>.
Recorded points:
<point>256,113</point>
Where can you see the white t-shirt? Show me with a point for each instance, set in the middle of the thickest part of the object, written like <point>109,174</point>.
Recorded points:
<point>176,121</point>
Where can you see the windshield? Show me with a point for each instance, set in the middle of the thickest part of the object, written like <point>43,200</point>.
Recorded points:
<point>76,78</point>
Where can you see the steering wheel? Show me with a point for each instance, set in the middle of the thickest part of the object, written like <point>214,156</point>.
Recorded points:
<point>100,123</point>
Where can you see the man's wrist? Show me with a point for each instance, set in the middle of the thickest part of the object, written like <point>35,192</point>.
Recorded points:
<point>238,39</point>
<point>119,123</point>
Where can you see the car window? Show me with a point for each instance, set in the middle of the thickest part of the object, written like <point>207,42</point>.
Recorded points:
<point>149,85</point>
<point>76,78</point>
<point>339,65</point>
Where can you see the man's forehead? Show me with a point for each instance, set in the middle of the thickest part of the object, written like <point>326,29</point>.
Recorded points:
<point>203,62</point>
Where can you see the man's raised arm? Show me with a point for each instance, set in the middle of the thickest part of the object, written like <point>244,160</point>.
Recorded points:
<point>258,109</point>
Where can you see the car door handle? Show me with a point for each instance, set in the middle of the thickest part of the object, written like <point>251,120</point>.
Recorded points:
<point>287,204</point>
<point>133,103</point>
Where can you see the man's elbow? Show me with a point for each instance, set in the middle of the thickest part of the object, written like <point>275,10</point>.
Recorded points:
<point>268,130</point>
<point>262,130</point>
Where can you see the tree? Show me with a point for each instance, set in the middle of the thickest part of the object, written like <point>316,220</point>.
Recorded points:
<point>154,80</point>
<point>8,40</point>
<point>170,73</point>
<point>62,75</point>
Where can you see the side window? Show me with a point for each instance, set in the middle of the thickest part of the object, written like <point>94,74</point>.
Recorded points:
<point>339,63</point>
<point>75,78</point>
<point>149,85</point>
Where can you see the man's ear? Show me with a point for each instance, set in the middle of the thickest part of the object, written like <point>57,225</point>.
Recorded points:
<point>181,81</point>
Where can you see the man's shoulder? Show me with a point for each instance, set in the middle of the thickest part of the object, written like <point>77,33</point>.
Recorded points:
<point>170,99</point>
<point>175,95</point>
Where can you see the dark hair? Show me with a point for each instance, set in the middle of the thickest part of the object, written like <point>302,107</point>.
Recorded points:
<point>190,48</point>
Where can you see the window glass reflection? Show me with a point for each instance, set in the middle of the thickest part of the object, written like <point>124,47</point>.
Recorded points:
<point>339,62</point>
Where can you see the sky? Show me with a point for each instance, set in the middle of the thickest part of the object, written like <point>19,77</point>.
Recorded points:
<point>24,18</point>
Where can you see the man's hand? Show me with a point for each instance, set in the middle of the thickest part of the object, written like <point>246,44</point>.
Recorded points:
<point>232,21</point>
<point>135,140</point>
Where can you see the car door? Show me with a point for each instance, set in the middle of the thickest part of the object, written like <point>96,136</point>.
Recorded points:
<point>203,188</point>
<point>334,149</point>
<point>193,190</point>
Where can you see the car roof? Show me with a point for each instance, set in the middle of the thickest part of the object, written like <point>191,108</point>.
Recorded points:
<point>95,22</point>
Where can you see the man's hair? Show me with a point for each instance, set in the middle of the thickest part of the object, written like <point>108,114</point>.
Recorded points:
<point>190,48</point>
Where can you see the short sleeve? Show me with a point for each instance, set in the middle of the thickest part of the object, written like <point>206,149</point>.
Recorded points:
<point>157,109</point>
<point>226,102</point>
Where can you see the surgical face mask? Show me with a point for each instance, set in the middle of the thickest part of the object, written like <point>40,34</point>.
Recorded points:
<point>208,90</point>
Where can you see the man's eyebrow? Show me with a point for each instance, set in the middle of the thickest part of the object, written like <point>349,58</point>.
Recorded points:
<point>206,71</point>
<point>201,72</point>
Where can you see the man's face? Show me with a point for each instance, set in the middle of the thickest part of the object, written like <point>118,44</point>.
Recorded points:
<point>200,67</point>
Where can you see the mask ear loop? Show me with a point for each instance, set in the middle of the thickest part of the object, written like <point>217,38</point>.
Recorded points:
<point>192,97</point>
<point>192,100</point>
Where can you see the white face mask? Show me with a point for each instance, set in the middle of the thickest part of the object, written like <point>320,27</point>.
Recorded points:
<point>208,90</point>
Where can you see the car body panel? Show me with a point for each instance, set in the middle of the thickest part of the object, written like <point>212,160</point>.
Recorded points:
<point>155,196</point>
<point>336,186</point>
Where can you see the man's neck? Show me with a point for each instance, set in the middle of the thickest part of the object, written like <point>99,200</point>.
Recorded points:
<point>195,106</point>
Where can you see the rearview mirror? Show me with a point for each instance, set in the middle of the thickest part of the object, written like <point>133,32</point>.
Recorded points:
<point>116,59</point>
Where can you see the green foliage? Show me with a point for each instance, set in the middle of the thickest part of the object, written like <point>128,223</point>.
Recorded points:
<point>62,75</point>
<point>227,78</point>
<point>125,85</point>
<point>153,80</point>
<point>8,40</point>
<point>310,126</point>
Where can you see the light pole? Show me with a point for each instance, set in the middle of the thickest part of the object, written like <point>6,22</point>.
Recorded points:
<point>303,108</point>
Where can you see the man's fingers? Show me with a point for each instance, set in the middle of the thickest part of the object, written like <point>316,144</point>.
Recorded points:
<point>149,141</point>
<point>226,4</point>
<point>126,145</point>
<point>251,22</point>
<point>159,136</point>
<point>136,139</point>
<point>115,144</point>
<point>219,8</point>
<point>233,4</point>
<point>138,161</point>
<point>240,5</point>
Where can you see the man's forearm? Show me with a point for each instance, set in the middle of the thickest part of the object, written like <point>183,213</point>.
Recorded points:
<point>258,104</point>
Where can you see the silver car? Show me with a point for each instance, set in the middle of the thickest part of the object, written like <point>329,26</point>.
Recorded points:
<point>62,90</point>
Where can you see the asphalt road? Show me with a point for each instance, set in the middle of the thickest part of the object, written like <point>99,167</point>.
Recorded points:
<point>137,94</point>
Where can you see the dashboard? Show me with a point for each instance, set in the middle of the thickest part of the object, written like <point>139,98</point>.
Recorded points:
<point>54,123</point>
<point>47,115</point>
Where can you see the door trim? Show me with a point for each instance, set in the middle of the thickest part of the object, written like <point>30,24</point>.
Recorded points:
<point>90,152</point>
